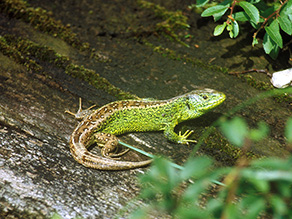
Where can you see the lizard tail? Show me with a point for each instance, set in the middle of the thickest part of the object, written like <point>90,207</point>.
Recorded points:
<point>84,157</point>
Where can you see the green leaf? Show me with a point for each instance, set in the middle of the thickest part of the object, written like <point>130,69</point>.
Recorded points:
<point>251,11</point>
<point>273,31</point>
<point>202,182</point>
<point>215,206</point>
<point>275,52</point>
<point>270,46</point>
<point>162,176</point>
<point>218,16</point>
<point>254,1</point>
<point>260,184</point>
<point>219,29</point>
<point>56,216</point>
<point>138,214</point>
<point>230,28</point>
<point>260,133</point>
<point>288,130</point>
<point>215,11</point>
<point>231,211</point>
<point>165,171</point>
<point>289,4</point>
<point>255,41</point>
<point>267,11</point>
<point>235,130</point>
<point>195,190</point>
<point>278,205</point>
<point>241,16</point>
<point>286,9</point>
<point>271,163</point>
<point>284,189</point>
<point>186,212</point>
<point>285,24</point>
<point>235,28</point>
<point>196,167</point>
<point>272,175</point>
<point>254,205</point>
<point>255,26</point>
<point>225,3</point>
<point>201,3</point>
<point>268,43</point>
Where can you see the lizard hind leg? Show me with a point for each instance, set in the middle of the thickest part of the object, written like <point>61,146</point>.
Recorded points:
<point>80,114</point>
<point>109,144</point>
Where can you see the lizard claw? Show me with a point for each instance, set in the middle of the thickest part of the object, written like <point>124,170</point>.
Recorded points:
<point>113,156</point>
<point>80,114</point>
<point>183,137</point>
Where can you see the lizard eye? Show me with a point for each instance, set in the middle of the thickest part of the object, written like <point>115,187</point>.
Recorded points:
<point>205,97</point>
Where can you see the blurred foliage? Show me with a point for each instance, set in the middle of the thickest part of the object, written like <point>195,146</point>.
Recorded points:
<point>250,189</point>
<point>256,188</point>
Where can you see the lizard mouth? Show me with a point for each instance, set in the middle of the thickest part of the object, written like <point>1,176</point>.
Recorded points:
<point>218,99</point>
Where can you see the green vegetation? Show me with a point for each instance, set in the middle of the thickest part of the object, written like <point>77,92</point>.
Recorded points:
<point>171,20</point>
<point>42,20</point>
<point>273,18</point>
<point>29,53</point>
<point>251,189</point>
<point>26,52</point>
<point>172,54</point>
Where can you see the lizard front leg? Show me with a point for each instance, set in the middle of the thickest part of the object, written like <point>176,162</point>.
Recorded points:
<point>178,138</point>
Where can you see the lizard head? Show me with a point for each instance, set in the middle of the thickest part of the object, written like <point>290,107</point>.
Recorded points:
<point>198,102</point>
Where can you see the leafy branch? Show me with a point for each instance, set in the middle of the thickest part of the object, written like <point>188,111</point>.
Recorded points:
<point>270,18</point>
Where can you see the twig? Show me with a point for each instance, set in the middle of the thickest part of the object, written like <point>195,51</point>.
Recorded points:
<point>251,70</point>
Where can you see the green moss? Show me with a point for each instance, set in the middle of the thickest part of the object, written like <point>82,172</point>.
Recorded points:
<point>23,51</point>
<point>259,85</point>
<point>41,20</point>
<point>97,81</point>
<point>171,54</point>
<point>17,56</point>
<point>264,86</point>
<point>172,20</point>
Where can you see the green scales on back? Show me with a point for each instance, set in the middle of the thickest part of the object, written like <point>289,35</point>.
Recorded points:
<point>125,116</point>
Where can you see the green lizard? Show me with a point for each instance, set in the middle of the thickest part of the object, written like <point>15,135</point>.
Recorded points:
<point>102,125</point>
